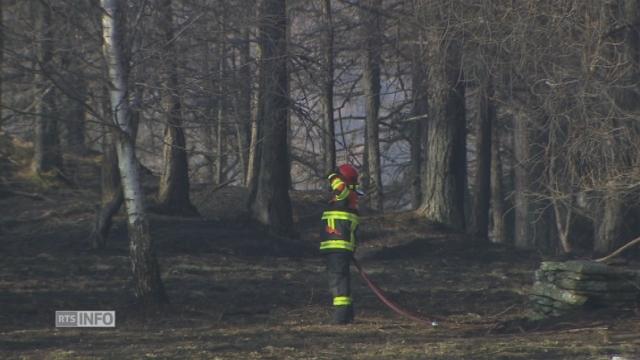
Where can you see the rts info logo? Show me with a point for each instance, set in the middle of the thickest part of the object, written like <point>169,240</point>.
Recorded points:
<point>85,319</point>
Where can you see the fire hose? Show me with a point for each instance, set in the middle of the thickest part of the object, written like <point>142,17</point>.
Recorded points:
<point>390,304</point>
<point>434,319</point>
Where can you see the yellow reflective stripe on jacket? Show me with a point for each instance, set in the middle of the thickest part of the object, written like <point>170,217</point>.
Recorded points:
<point>341,300</point>
<point>341,215</point>
<point>337,244</point>
<point>335,183</point>
<point>343,195</point>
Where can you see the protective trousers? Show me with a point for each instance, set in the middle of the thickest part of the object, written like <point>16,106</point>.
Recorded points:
<point>340,286</point>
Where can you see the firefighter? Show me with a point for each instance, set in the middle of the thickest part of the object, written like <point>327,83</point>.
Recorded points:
<point>340,223</point>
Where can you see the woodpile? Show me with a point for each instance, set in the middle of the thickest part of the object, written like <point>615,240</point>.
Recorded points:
<point>561,287</point>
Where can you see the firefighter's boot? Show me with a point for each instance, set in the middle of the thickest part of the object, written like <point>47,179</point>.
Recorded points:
<point>343,314</point>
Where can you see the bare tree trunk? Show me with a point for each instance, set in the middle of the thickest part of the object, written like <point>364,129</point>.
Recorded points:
<point>1,60</point>
<point>221,101</point>
<point>74,98</point>
<point>445,167</point>
<point>207,132</point>
<point>253,164</point>
<point>523,238</point>
<point>418,126</point>
<point>77,117</point>
<point>46,144</point>
<point>364,174</point>
<point>497,193</point>
<point>615,203</point>
<point>371,85</point>
<point>254,150</point>
<point>148,286</point>
<point>111,193</point>
<point>609,227</point>
<point>482,194</point>
<point>329,138</point>
<point>244,99</point>
<point>112,197</point>
<point>173,192</point>
<point>73,111</point>
<point>269,201</point>
<point>532,227</point>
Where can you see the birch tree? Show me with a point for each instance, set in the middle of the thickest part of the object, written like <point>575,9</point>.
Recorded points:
<point>148,287</point>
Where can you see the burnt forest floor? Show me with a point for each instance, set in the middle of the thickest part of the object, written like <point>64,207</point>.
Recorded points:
<point>237,293</point>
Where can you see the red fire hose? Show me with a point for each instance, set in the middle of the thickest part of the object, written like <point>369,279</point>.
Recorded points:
<point>390,304</point>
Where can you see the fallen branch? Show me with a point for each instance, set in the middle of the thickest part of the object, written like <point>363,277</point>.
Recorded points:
<point>502,312</point>
<point>620,250</point>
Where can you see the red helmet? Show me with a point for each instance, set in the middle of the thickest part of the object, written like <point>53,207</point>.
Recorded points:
<point>348,173</point>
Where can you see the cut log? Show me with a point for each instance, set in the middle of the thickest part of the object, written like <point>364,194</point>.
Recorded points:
<point>598,286</point>
<point>556,293</point>
<point>586,267</point>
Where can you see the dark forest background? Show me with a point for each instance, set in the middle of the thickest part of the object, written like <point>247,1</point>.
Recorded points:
<point>516,122</point>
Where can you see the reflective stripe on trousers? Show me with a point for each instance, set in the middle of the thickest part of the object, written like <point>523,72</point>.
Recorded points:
<point>337,244</point>
<point>341,300</point>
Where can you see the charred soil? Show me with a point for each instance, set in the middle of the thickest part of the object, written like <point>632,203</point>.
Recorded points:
<point>237,293</point>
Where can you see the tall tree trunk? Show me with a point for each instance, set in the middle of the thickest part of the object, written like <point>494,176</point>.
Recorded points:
<point>112,197</point>
<point>221,100</point>
<point>243,102</point>
<point>77,117</point>
<point>74,87</point>
<point>523,238</point>
<point>1,60</point>
<point>74,113</point>
<point>253,163</point>
<point>626,94</point>
<point>269,201</point>
<point>481,196</point>
<point>329,137</point>
<point>148,287</point>
<point>445,167</point>
<point>46,144</point>
<point>372,27</point>
<point>207,132</point>
<point>419,111</point>
<point>173,192</point>
<point>254,150</point>
<point>532,226</point>
<point>364,173</point>
<point>497,197</point>
<point>609,226</point>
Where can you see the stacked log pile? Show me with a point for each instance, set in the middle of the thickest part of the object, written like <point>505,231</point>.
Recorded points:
<point>561,287</point>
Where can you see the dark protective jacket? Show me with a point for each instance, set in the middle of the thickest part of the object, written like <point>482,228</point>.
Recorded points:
<point>340,220</point>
